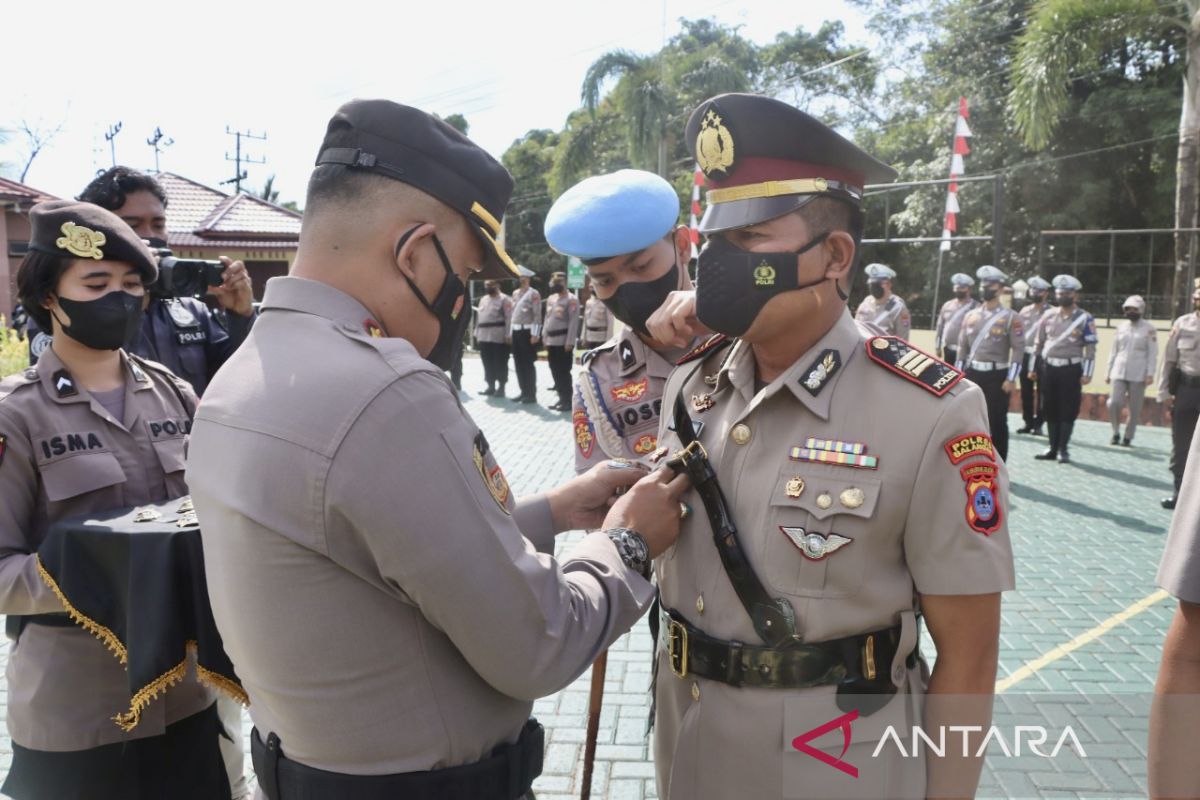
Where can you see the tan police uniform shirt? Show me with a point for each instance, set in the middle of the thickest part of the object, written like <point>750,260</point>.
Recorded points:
<point>597,322</point>
<point>906,531</point>
<point>1134,354</point>
<point>1030,316</point>
<point>1179,570</point>
<point>369,569</point>
<point>562,320</point>
<point>63,454</point>
<point>891,315</point>
<point>493,318</point>
<point>950,319</point>
<point>618,400</point>
<point>526,312</point>
<point>1182,350</point>
<point>1067,336</point>
<point>1003,343</point>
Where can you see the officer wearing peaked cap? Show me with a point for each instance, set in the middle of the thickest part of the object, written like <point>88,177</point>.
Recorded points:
<point>991,345</point>
<point>1065,345</point>
<point>525,331</point>
<point>945,338</point>
<point>881,308</point>
<point>440,614</point>
<point>1030,313</point>
<point>789,596</point>
<point>624,227</point>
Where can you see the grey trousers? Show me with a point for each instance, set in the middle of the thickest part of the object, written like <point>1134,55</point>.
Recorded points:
<point>1126,393</point>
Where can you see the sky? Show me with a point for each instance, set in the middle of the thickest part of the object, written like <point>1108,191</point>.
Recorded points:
<point>196,70</point>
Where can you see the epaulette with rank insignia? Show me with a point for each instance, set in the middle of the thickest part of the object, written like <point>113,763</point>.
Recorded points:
<point>928,372</point>
<point>709,345</point>
<point>590,355</point>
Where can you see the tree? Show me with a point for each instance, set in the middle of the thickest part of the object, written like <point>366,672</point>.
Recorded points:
<point>530,159</point>
<point>1065,38</point>
<point>268,192</point>
<point>458,122</point>
<point>37,136</point>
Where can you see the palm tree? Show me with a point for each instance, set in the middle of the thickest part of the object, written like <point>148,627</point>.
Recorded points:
<point>1064,37</point>
<point>645,100</point>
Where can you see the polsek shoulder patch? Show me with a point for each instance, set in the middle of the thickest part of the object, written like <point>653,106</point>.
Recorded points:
<point>960,448</point>
<point>900,357</point>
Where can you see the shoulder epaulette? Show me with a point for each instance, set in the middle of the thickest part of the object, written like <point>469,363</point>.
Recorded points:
<point>710,345</point>
<point>161,369</point>
<point>590,355</point>
<point>900,357</point>
<point>25,377</point>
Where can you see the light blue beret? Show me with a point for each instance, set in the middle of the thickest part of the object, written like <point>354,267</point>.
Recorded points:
<point>611,215</point>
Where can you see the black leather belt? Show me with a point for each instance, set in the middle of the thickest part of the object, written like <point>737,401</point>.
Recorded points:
<point>556,333</point>
<point>1189,380</point>
<point>594,328</point>
<point>15,623</point>
<point>506,774</point>
<point>489,325</point>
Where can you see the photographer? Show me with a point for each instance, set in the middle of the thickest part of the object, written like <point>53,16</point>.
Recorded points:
<point>180,332</point>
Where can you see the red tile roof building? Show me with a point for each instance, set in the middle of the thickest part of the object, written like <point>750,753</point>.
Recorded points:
<point>15,200</point>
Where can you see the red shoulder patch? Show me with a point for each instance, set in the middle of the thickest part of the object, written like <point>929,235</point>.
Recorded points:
<point>709,345</point>
<point>917,366</point>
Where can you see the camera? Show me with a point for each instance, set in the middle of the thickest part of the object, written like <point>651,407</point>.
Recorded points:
<point>185,277</point>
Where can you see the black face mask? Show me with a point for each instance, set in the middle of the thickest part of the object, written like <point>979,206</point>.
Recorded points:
<point>876,289</point>
<point>633,303</point>
<point>493,291</point>
<point>962,294</point>
<point>1038,297</point>
<point>557,286</point>
<point>1065,301</point>
<point>734,284</point>
<point>1132,316</point>
<point>447,307</point>
<point>989,294</point>
<point>105,323</point>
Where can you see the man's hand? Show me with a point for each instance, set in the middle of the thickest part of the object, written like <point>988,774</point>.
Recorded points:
<point>583,501</point>
<point>1168,402</point>
<point>235,292</point>
<point>1149,379</point>
<point>535,340</point>
<point>675,323</point>
<point>651,508</point>
<point>1032,376</point>
<point>508,340</point>
<point>1007,386</point>
<point>568,347</point>
<point>1085,379</point>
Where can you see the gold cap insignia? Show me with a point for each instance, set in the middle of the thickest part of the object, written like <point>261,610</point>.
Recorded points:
<point>80,241</point>
<point>714,145</point>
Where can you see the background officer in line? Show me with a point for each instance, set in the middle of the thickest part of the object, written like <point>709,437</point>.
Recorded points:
<point>525,332</point>
<point>624,227</point>
<point>181,333</point>
<point>843,514</point>
<point>1179,387</point>
<point>1131,364</point>
<point>1174,721</point>
<point>559,331</point>
<point>881,308</point>
<point>1065,346</point>
<point>406,587</point>
<point>991,346</point>
<point>597,322</point>
<point>945,339</point>
<point>1031,313</point>
<point>492,321</point>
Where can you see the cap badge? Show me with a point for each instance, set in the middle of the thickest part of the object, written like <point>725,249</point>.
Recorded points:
<point>814,546</point>
<point>147,515</point>
<point>80,241</point>
<point>714,145</point>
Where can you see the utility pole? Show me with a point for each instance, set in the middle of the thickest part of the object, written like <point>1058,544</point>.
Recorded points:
<point>154,141</point>
<point>109,136</point>
<point>239,159</point>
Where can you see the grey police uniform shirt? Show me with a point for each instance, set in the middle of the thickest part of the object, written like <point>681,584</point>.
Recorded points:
<point>1179,570</point>
<point>891,316</point>
<point>1003,343</point>
<point>368,567</point>
<point>493,318</point>
<point>1134,354</point>
<point>1071,336</point>
<point>1030,316</point>
<point>882,535</point>
<point>527,311</point>
<point>1182,350</point>
<point>950,319</point>
<point>562,320</point>
<point>618,400</point>
<point>62,454</point>
<point>597,322</point>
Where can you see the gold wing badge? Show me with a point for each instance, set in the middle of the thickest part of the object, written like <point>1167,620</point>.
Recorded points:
<point>80,241</point>
<point>714,145</point>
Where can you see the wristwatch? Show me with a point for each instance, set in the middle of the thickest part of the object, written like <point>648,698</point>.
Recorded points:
<point>632,549</point>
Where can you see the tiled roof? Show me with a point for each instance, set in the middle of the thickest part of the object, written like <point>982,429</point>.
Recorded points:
<point>11,191</point>
<point>200,216</point>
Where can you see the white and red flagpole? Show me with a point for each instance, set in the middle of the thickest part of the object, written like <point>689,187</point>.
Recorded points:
<point>959,151</point>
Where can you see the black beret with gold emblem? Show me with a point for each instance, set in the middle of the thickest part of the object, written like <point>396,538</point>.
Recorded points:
<point>762,159</point>
<point>70,228</point>
<point>408,145</point>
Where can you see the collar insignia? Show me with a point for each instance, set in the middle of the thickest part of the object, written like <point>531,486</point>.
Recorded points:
<point>824,368</point>
<point>628,357</point>
<point>80,241</point>
<point>64,384</point>
<point>372,328</point>
<point>815,546</point>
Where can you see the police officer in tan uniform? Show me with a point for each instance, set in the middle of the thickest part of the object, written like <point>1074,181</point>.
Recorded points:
<point>493,318</point>
<point>1131,364</point>
<point>1179,387</point>
<point>881,308</point>
<point>624,227</point>
<point>945,338</point>
<point>1031,313</point>
<point>1065,346</point>
<point>525,331</point>
<point>821,527</point>
<point>559,332</point>
<point>83,433</point>
<point>991,346</point>
<point>597,322</point>
<point>390,607</point>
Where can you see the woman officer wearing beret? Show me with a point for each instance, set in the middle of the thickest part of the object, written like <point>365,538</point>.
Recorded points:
<point>76,437</point>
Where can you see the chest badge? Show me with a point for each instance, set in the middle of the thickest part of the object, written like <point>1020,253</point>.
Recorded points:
<point>815,546</point>
<point>794,487</point>
<point>834,452</point>
<point>180,315</point>
<point>702,402</point>
<point>852,497</point>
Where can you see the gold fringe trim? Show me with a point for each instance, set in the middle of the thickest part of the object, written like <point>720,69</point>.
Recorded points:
<point>220,682</point>
<point>102,633</point>
<point>130,719</point>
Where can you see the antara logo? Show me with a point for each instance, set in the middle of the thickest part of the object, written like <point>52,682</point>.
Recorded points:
<point>801,742</point>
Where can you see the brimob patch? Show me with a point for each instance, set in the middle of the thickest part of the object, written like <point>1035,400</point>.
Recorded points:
<point>960,448</point>
<point>983,503</point>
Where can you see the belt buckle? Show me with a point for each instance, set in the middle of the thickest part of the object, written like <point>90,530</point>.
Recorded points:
<point>689,454</point>
<point>677,645</point>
